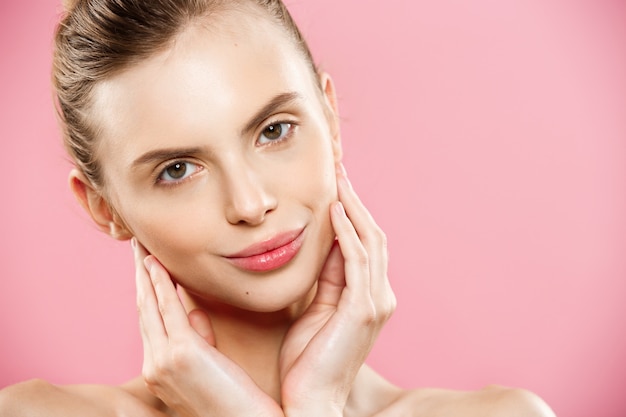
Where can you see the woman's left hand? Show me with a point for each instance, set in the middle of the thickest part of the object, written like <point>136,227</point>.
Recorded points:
<point>325,348</point>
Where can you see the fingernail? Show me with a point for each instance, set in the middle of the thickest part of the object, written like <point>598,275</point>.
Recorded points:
<point>339,208</point>
<point>341,169</point>
<point>148,262</point>
<point>133,243</point>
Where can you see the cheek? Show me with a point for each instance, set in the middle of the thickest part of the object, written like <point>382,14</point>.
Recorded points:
<point>316,175</point>
<point>167,235</point>
<point>317,185</point>
<point>172,224</point>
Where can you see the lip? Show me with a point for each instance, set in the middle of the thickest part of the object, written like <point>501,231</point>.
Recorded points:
<point>271,253</point>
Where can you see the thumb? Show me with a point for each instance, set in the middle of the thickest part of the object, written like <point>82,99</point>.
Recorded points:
<point>333,271</point>
<point>332,279</point>
<point>201,323</point>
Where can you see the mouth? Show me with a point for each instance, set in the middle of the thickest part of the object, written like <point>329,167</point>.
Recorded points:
<point>270,254</point>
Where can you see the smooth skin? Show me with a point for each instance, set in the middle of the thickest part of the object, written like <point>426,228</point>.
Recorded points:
<point>321,353</point>
<point>322,367</point>
<point>193,183</point>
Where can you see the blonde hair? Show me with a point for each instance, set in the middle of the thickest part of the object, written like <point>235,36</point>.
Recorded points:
<point>99,38</point>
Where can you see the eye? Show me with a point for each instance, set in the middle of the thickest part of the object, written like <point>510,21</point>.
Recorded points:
<point>275,132</point>
<point>177,172</point>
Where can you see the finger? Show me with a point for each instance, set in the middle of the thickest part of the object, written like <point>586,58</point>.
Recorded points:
<point>363,221</point>
<point>369,232</point>
<point>201,323</point>
<point>332,278</point>
<point>170,307</point>
<point>152,330</point>
<point>357,272</point>
<point>372,237</point>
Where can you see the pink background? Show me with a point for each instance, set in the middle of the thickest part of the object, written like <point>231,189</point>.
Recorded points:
<point>488,138</point>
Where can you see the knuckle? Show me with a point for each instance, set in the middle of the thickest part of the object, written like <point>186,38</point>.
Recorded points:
<point>393,303</point>
<point>150,377</point>
<point>378,237</point>
<point>141,302</point>
<point>178,358</point>
<point>386,309</point>
<point>160,369</point>
<point>386,303</point>
<point>368,315</point>
<point>381,237</point>
<point>385,312</point>
<point>163,366</point>
<point>389,312</point>
<point>361,257</point>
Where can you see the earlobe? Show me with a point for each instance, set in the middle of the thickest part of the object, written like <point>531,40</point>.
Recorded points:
<point>332,110</point>
<point>97,206</point>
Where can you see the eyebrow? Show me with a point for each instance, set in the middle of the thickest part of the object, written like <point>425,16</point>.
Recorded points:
<point>165,154</point>
<point>266,111</point>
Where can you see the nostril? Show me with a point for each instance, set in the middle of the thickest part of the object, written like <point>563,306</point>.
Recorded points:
<point>247,201</point>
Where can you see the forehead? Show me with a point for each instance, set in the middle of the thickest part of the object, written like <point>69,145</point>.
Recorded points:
<point>216,71</point>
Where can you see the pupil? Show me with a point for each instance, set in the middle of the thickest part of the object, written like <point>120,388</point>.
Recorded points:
<point>177,171</point>
<point>273,131</point>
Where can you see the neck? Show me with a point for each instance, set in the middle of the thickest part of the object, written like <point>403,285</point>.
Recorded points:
<point>250,339</point>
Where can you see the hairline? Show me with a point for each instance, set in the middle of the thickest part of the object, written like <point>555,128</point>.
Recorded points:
<point>219,12</point>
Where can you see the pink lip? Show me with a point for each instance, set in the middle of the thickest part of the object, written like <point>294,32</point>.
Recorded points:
<point>270,254</point>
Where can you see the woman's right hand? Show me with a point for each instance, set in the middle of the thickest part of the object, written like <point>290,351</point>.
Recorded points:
<point>181,365</point>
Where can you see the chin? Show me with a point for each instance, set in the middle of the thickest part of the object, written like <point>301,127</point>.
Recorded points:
<point>293,284</point>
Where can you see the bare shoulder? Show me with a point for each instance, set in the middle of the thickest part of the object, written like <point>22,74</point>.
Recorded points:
<point>492,401</point>
<point>37,398</point>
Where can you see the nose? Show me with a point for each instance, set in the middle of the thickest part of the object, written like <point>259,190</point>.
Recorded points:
<point>248,198</point>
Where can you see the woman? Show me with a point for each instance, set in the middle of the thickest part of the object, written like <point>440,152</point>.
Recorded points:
<point>203,132</point>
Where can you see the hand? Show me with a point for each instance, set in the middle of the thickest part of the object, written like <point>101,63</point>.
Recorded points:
<point>324,350</point>
<point>181,364</point>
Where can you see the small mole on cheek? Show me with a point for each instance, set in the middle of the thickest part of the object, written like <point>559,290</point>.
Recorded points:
<point>247,293</point>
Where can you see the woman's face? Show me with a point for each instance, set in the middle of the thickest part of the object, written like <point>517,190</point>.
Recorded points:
<point>219,148</point>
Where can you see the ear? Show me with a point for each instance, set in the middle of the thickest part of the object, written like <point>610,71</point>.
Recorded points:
<point>332,112</point>
<point>97,206</point>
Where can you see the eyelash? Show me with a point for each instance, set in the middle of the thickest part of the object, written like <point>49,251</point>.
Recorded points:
<point>170,183</point>
<point>285,137</point>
